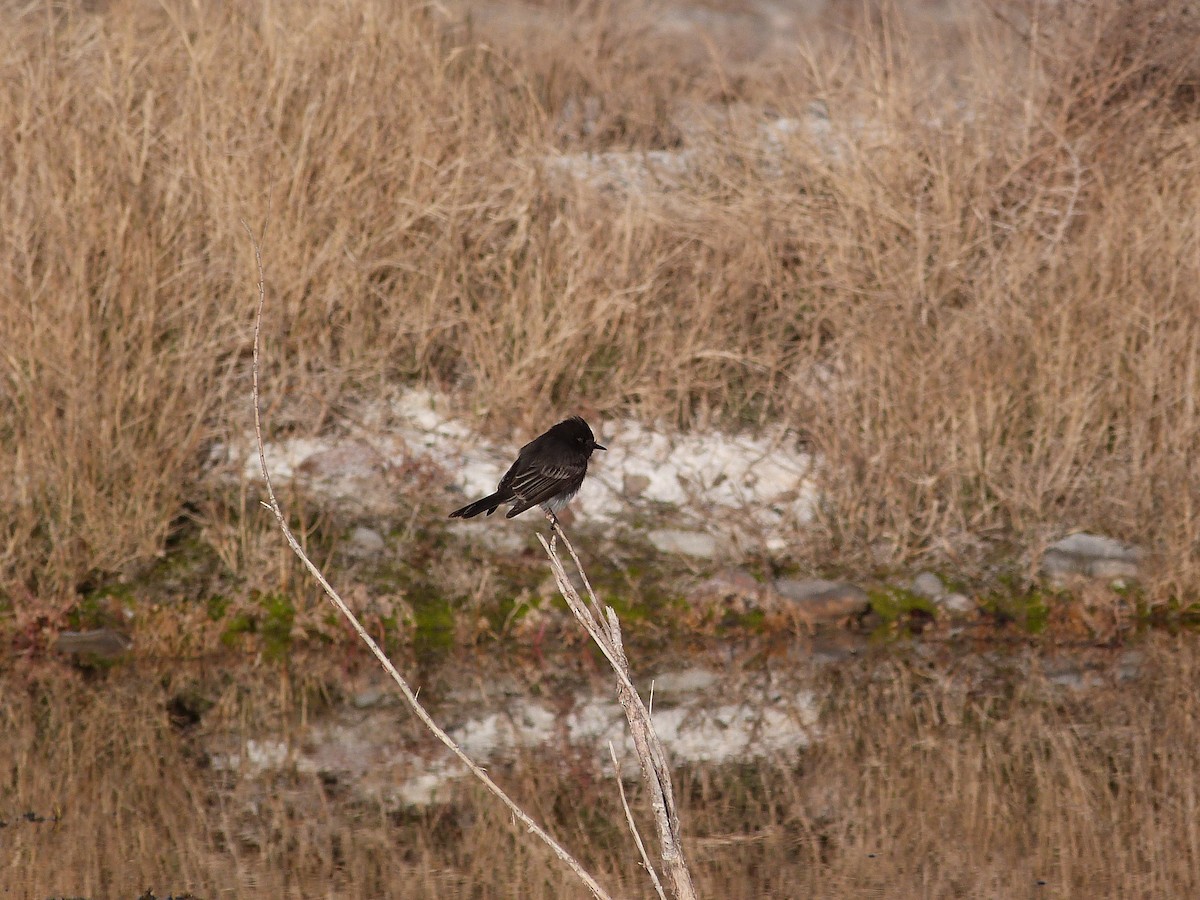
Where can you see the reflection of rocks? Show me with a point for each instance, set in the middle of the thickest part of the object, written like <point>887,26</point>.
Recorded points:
<point>734,589</point>
<point>1090,556</point>
<point>624,172</point>
<point>817,600</point>
<point>700,714</point>
<point>712,712</point>
<point>1078,673</point>
<point>767,143</point>
<point>102,642</point>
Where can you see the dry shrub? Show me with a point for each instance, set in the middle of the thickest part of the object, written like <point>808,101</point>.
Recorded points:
<point>980,312</point>
<point>1012,317</point>
<point>1111,63</point>
<point>142,134</point>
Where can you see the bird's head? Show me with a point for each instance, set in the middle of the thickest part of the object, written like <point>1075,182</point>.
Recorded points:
<point>577,432</point>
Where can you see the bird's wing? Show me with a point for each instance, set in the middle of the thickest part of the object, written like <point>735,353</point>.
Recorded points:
<point>541,482</point>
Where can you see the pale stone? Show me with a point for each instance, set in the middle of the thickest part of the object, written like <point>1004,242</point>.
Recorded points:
<point>929,586</point>
<point>824,601</point>
<point>684,543</point>
<point>1092,556</point>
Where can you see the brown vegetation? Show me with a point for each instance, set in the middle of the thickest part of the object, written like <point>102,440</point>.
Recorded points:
<point>980,306</point>
<point>975,292</point>
<point>930,779</point>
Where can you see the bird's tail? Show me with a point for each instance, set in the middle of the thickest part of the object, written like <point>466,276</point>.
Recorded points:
<point>487,504</point>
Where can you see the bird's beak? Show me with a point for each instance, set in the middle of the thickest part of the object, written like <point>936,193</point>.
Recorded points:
<point>596,446</point>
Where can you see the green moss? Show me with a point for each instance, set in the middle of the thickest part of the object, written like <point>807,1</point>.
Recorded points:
<point>184,556</point>
<point>510,610</point>
<point>101,608</point>
<point>499,615</point>
<point>752,620</point>
<point>434,621</point>
<point>630,609</point>
<point>217,606</point>
<point>189,570</point>
<point>272,622</point>
<point>276,627</point>
<point>238,625</point>
<point>1037,613</point>
<point>639,584</point>
<point>88,613</point>
<point>1028,608</point>
<point>893,604</point>
<point>392,638</point>
<point>900,612</point>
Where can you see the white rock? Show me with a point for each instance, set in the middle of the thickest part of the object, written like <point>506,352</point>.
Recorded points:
<point>684,543</point>
<point>366,542</point>
<point>957,603</point>
<point>1092,556</point>
<point>929,586</point>
<point>528,725</point>
<point>765,479</point>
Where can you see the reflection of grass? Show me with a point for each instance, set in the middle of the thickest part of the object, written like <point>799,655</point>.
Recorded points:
<point>276,625</point>
<point>435,622</point>
<point>846,818</point>
<point>1173,615</point>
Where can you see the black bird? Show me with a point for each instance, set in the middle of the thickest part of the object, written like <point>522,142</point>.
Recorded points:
<point>548,472</point>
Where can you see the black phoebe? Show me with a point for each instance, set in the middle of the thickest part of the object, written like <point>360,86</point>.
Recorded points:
<point>548,472</point>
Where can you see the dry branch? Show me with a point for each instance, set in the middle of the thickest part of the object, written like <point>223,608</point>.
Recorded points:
<point>602,624</point>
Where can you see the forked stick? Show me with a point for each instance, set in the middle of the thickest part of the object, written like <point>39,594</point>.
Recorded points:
<point>605,629</point>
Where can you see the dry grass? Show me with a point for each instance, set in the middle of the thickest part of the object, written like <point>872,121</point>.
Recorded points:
<point>932,779</point>
<point>988,326</point>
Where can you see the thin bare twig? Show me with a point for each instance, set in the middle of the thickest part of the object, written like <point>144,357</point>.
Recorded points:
<point>637,835</point>
<point>401,683</point>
